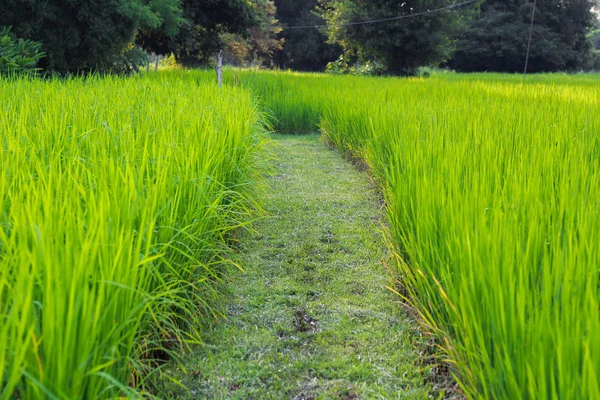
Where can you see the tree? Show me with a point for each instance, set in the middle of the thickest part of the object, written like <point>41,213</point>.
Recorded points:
<point>594,36</point>
<point>205,21</point>
<point>261,42</point>
<point>156,37</point>
<point>304,49</point>
<point>496,39</point>
<point>78,35</point>
<point>401,45</point>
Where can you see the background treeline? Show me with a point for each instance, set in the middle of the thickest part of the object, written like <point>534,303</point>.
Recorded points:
<point>79,36</point>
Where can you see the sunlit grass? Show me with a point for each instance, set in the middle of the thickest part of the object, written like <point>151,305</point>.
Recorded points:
<point>116,197</point>
<point>493,191</point>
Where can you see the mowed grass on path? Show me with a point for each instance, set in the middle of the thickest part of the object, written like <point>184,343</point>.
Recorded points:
<point>310,318</point>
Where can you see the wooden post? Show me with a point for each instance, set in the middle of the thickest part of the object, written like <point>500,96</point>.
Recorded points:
<point>220,68</point>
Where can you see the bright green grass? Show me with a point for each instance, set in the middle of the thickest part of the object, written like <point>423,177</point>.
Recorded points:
<point>116,194</point>
<point>115,199</point>
<point>310,317</point>
<point>493,192</point>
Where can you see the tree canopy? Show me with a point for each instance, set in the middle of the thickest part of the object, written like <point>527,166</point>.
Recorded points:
<point>157,38</point>
<point>303,49</point>
<point>78,35</point>
<point>260,44</point>
<point>402,45</point>
<point>496,39</point>
<point>86,35</point>
<point>206,20</point>
<point>486,35</point>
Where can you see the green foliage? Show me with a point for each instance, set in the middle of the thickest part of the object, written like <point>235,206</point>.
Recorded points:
<point>401,45</point>
<point>114,215</point>
<point>129,62</point>
<point>81,35</point>
<point>496,39</point>
<point>155,36</point>
<point>491,189</point>
<point>494,232</point>
<point>498,270</point>
<point>369,68</point>
<point>309,318</point>
<point>594,37</point>
<point>303,49</point>
<point>260,45</point>
<point>17,55</point>
<point>338,67</point>
<point>200,36</point>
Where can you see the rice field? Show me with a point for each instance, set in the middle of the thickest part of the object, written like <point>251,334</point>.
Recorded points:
<point>492,188</point>
<point>116,199</point>
<point>493,192</point>
<point>117,196</point>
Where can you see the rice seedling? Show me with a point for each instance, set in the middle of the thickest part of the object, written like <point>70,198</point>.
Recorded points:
<point>117,195</point>
<point>493,197</point>
<point>116,199</point>
<point>492,187</point>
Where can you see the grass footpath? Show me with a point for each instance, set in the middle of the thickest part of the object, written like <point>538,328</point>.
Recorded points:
<point>310,317</point>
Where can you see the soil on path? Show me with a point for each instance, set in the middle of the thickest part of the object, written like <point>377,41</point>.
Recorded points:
<point>310,317</point>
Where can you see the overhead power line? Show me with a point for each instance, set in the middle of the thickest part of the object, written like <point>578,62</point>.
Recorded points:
<point>377,21</point>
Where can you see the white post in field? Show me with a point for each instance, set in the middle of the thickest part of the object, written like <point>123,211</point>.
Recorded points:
<point>220,68</point>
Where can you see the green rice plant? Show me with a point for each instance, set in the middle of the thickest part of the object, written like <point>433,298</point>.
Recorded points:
<point>494,202</point>
<point>492,187</point>
<point>292,100</point>
<point>296,109</point>
<point>117,196</point>
<point>116,199</point>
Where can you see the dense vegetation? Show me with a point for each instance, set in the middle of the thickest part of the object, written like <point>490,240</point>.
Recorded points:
<point>78,35</point>
<point>494,209</point>
<point>496,39</point>
<point>114,215</point>
<point>402,45</point>
<point>93,35</point>
<point>349,36</point>
<point>491,189</point>
<point>118,196</point>
<point>17,56</point>
<point>304,49</point>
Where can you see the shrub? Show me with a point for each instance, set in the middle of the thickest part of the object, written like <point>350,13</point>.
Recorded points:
<point>341,66</point>
<point>17,55</point>
<point>129,62</point>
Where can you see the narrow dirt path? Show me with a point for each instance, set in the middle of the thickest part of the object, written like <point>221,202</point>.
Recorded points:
<point>310,318</point>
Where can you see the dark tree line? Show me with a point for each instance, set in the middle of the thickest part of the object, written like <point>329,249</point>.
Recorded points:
<point>401,45</point>
<point>303,49</point>
<point>486,35</point>
<point>496,38</point>
<point>88,35</point>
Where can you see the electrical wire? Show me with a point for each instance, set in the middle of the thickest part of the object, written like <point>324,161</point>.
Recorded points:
<point>376,21</point>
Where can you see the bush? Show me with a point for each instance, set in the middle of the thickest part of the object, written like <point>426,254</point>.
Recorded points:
<point>129,61</point>
<point>342,67</point>
<point>17,55</point>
